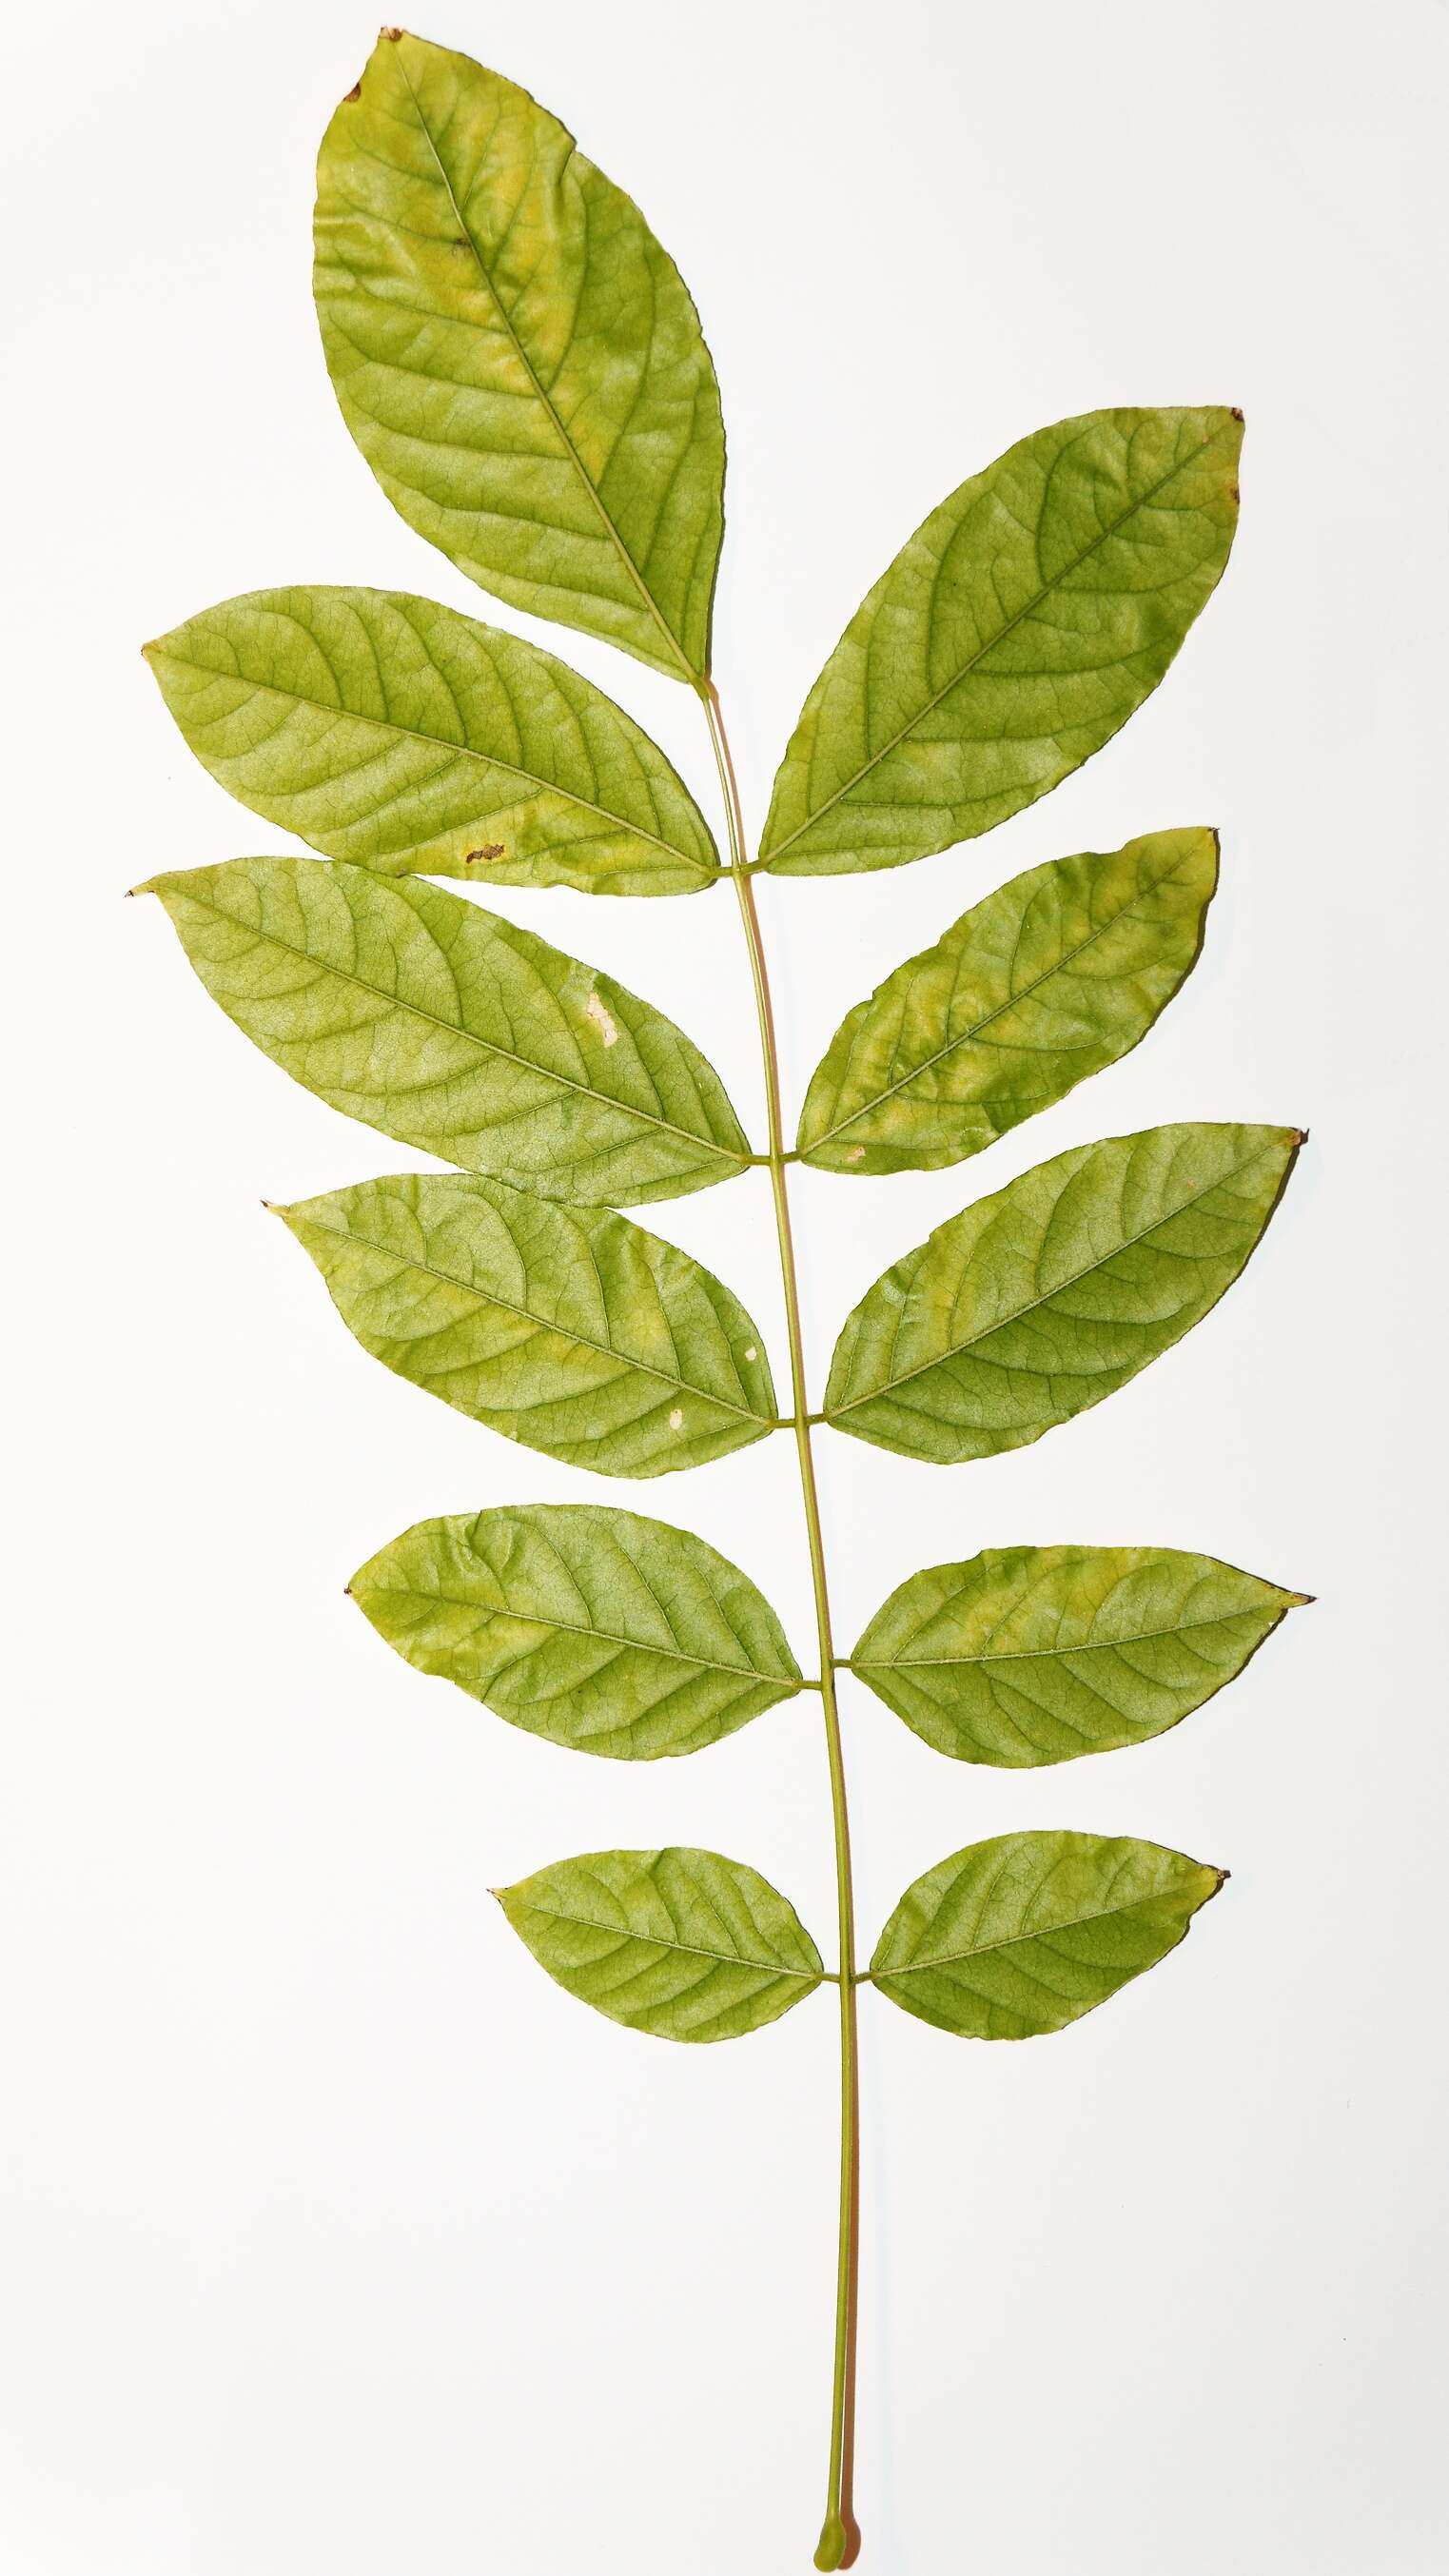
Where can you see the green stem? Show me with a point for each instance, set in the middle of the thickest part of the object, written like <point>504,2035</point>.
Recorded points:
<point>840,2534</point>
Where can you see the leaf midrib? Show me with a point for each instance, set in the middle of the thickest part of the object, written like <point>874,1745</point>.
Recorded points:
<point>690,1949</point>
<point>1053,1654</point>
<point>489,1046</point>
<point>614,1637</point>
<point>929,704</point>
<point>564,1332</point>
<point>676,648</point>
<point>1017,1940</point>
<point>460,750</point>
<point>969,1036</point>
<point>999,1322</point>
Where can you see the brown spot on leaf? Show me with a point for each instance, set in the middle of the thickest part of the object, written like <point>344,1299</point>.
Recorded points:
<point>389,35</point>
<point>1233,493</point>
<point>353,93</point>
<point>1237,415</point>
<point>490,850</point>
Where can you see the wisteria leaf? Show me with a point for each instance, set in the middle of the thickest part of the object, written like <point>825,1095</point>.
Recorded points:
<point>1046,1297</point>
<point>1049,979</point>
<point>1025,1933</point>
<point>594,1627</point>
<point>683,1944</point>
<point>388,730</point>
<point>1026,1655</point>
<point>450,1029</point>
<point>571,1330</point>
<point>1016,631</point>
<point>517,357</point>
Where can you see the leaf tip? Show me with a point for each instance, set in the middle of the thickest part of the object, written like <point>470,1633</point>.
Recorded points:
<point>148,885</point>
<point>1236,414</point>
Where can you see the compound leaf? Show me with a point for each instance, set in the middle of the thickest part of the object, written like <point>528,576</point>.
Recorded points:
<point>1054,976</point>
<point>1019,628</point>
<point>448,1028</point>
<point>1044,1298</point>
<point>594,1627</point>
<point>572,1331</point>
<point>1027,1932</point>
<point>390,731</point>
<point>1027,1655</point>
<point>683,1944</point>
<point>516,356</point>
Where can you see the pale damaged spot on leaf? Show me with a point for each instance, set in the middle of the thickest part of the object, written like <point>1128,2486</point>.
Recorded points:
<point>856,1154</point>
<point>752,1353</point>
<point>602,1019</point>
<point>676,1418</point>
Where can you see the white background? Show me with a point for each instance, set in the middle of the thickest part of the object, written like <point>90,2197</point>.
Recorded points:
<point>337,2241</point>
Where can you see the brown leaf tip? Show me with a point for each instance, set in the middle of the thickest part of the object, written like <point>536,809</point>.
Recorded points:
<point>390,35</point>
<point>1299,1135</point>
<point>490,850</point>
<point>354,93</point>
<point>1237,415</point>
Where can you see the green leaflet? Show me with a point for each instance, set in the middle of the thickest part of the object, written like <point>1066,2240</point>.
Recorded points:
<point>574,1332</point>
<point>1054,976</point>
<point>597,1628</point>
<point>517,358</point>
<point>1019,628</point>
<point>683,1944</point>
<point>1027,1655</point>
<point>1039,1301</point>
<point>415,1010</point>
<point>1027,1932</point>
<point>388,730</point>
